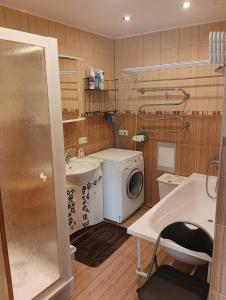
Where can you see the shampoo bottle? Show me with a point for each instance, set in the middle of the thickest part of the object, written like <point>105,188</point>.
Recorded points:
<point>101,79</point>
<point>97,80</point>
<point>91,78</point>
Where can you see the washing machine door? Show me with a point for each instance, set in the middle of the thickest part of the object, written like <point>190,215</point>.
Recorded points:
<point>134,183</point>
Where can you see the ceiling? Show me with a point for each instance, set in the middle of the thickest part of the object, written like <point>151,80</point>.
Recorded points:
<point>104,17</point>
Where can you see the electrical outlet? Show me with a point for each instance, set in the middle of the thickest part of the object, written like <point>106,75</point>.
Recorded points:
<point>123,132</point>
<point>83,140</point>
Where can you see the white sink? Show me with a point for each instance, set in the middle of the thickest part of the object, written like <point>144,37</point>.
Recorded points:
<point>79,170</point>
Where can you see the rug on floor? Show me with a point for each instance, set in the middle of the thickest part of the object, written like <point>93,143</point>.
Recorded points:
<point>96,243</point>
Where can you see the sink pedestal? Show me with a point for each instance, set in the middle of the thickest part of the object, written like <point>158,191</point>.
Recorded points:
<point>85,202</point>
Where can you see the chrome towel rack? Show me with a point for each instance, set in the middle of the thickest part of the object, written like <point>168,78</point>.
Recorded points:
<point>184,123</point>
<point>185,96</point>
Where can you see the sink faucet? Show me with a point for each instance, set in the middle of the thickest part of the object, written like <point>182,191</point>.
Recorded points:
<point>79,149</point>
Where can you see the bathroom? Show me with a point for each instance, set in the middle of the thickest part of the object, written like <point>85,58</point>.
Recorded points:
<point>146,65</point>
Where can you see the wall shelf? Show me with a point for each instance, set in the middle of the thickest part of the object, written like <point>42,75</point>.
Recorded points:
<point>68,57</point>
<point>100,101</point>
<point>73,120</point>
<point>69,83</point>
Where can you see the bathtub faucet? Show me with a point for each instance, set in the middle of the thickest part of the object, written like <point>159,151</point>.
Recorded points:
<point>214,160</point>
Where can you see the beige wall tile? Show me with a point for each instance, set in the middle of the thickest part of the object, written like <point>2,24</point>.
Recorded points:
<point>187,53</point>
<point>135,44</point>
<point>72,37</point>
<point>221,202</point>
<point>169,38</point>
<point>2,17</point>
<point>38,26</point>
<point>58,31</point>
<point>218,276</point>
<point>223,26</point>
<point>189,36</point>
<point>121,46</point>
<point>152,41</point>
<point>169,55</point>
<point>152,57</point>
<point>16,20</point>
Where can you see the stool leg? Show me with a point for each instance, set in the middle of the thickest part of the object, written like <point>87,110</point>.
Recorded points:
<point>138,261</point>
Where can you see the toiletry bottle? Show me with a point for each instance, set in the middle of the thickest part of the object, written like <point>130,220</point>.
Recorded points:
<point>91,78</point>
<point>101,79</point>
<point>97,80</point>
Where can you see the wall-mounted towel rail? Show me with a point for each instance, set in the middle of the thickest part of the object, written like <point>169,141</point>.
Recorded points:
<point>185,96</point>
<point>184,124</point>
<point>181,78</point>
<point>143,115</point>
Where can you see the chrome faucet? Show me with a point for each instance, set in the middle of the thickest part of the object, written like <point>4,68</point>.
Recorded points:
<point>80,153</point>
<point>214,160</point>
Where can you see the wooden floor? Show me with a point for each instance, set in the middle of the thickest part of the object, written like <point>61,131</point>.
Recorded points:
<point>115,278</point>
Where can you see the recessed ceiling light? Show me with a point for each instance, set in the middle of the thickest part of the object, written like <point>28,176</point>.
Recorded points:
<point>126,18</point>
<point>186,4</point>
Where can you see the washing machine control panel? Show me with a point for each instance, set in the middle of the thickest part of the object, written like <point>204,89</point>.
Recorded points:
<point>131,162</point>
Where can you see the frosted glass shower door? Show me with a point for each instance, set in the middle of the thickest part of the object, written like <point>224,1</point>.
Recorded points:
<point>26,169</point>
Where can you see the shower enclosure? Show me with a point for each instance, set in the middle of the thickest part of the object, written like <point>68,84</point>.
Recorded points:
<point>34,239</point>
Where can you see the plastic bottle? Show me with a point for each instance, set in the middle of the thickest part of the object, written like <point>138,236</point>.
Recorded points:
<point>91,78</point>
<point>101,79</point>
<point>97,80</point>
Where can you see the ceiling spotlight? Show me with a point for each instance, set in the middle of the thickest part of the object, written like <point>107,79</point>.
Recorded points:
<point>126,18</point>
<point>186,4</point>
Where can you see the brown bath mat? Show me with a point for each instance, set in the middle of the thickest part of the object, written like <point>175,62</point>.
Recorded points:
<point>96,243</point>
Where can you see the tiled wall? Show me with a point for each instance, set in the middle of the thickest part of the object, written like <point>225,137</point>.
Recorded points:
<point>95,51</point>
<point>98,132</point>
<point>203,109</point>
<point>193,147</point>
<point>184,44</point>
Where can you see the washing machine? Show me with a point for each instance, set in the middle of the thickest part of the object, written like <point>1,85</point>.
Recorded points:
<point>123,182</point>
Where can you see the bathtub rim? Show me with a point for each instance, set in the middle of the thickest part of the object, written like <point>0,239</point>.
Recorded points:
<point>136,229</point>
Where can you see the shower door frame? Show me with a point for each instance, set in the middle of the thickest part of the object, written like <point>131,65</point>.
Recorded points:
<point>63,287</point>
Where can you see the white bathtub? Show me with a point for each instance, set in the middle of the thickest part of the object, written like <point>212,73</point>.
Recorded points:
<point>188,202</point>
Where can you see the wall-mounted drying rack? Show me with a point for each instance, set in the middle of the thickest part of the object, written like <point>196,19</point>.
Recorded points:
<point>217,57</point>
<point>132,73</point>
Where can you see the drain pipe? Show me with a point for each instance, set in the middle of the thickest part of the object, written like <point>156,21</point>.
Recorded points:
<point>112,118</point>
